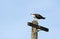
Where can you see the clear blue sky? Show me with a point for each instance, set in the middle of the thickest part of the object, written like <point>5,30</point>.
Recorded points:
<point>14,15</point>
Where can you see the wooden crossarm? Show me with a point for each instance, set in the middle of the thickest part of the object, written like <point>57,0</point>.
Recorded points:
<point>38,27</point>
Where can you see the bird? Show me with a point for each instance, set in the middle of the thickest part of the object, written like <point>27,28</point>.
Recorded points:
<point>38,16</point>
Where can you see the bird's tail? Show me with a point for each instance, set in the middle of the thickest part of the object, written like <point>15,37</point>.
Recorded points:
<point>43,18</point>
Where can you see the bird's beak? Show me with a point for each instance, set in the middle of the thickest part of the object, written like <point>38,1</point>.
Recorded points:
<point>33,15</point>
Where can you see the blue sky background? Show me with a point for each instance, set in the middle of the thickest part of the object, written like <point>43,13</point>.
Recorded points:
<point>14,15</point>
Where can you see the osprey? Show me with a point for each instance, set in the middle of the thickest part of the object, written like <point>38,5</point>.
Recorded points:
<point>38,16</point>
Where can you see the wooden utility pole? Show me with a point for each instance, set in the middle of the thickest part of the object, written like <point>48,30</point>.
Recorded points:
<point>35,27</point>
<point>34,33</point>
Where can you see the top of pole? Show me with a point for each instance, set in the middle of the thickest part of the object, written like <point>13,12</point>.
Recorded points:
<point>35,22</point>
